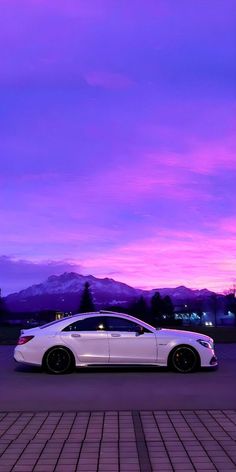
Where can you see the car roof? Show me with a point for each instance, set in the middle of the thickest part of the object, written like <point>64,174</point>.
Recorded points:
<point>104,313</point>
<point>107,313</point>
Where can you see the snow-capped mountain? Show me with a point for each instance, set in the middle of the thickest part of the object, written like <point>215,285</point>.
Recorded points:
<point>63,293</point>
<point>182,293</point>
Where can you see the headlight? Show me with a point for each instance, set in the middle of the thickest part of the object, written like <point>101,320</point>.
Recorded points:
<point>204,343</point>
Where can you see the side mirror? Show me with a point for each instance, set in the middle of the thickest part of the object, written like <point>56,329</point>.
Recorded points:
<point>139,331</point>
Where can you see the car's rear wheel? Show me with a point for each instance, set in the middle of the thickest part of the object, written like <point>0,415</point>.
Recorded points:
<point>184,359</point>
<point>58,360</point>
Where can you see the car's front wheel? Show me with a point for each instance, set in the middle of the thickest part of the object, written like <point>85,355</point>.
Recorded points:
<point>184,359</point>
<point>58,360</point>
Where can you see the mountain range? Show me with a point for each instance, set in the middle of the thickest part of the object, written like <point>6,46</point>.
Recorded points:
<point>63,293</point>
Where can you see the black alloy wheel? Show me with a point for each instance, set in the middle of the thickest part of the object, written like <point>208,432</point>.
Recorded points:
<point>58,361</point>
<point>184,359</point>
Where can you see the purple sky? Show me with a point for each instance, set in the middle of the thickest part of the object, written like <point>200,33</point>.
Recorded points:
<point>117,141</point>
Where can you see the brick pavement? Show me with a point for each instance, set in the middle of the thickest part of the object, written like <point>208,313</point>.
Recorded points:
<point>124,441</point>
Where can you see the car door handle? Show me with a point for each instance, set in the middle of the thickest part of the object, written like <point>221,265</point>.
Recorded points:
<point>115,335</point>
<point>75,335</point>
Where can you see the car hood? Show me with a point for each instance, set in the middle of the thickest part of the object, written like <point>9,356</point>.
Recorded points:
<point>184,333</point>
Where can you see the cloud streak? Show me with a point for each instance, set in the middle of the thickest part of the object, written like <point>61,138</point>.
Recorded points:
<point>17,274</point>
<point>195,259</point>
<point>108,80</point>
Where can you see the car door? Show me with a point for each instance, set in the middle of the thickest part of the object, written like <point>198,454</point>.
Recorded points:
<point>88,339</point>
<point>129,342</point>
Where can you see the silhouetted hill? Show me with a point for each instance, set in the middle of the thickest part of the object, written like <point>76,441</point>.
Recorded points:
<point>63,292</point>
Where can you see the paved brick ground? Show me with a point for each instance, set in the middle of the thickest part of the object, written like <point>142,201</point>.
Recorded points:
<point>137,441</point>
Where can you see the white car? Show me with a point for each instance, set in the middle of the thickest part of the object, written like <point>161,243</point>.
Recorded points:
<point>110,338</point>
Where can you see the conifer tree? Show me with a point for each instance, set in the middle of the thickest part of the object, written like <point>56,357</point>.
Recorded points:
<point>168,308</point>
<point>140,309</point>
<point>86,302</point>
<point>231,302</point>
<point>156,308</point>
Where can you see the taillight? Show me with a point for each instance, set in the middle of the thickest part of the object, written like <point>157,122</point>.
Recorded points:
<point>24,340</point>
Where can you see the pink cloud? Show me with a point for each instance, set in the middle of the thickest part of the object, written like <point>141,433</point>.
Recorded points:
<point>121,183</point>
<point>44,232</point>
<point>73,8</point>
<point>205,158</point>
<point>164,259</point>
<point>146,177</point>
<point>20,273</point>
<point>170,259</point>
<point>225,225</point>
<point>108,80</point>
<point>55,204</point>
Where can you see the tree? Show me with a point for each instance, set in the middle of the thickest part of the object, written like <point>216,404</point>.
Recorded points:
<point>196,306</point>
<point>140,309</point>
<point>156,308</point>
<point>231,302</point>
<point>168,308</point>
<point>214,306</point>
<point>3,309</point>
<point>86,302</point>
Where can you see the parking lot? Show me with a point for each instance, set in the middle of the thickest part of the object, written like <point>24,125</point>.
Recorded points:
<point>25,388</point>
<point>118,420</point>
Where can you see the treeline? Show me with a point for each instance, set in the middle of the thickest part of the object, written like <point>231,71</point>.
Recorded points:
<point>158,311</point>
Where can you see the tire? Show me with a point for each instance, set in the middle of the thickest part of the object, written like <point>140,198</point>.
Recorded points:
<point>58,360</point>
<point>184,359</point>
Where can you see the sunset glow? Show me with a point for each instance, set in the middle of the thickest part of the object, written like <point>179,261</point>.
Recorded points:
<point>117,141</point>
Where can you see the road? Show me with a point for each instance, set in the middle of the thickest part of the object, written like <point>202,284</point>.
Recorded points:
<point>24,388</point>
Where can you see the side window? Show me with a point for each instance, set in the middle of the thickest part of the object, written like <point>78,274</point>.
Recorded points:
<point>95,323</point>
<point>121,324</point>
